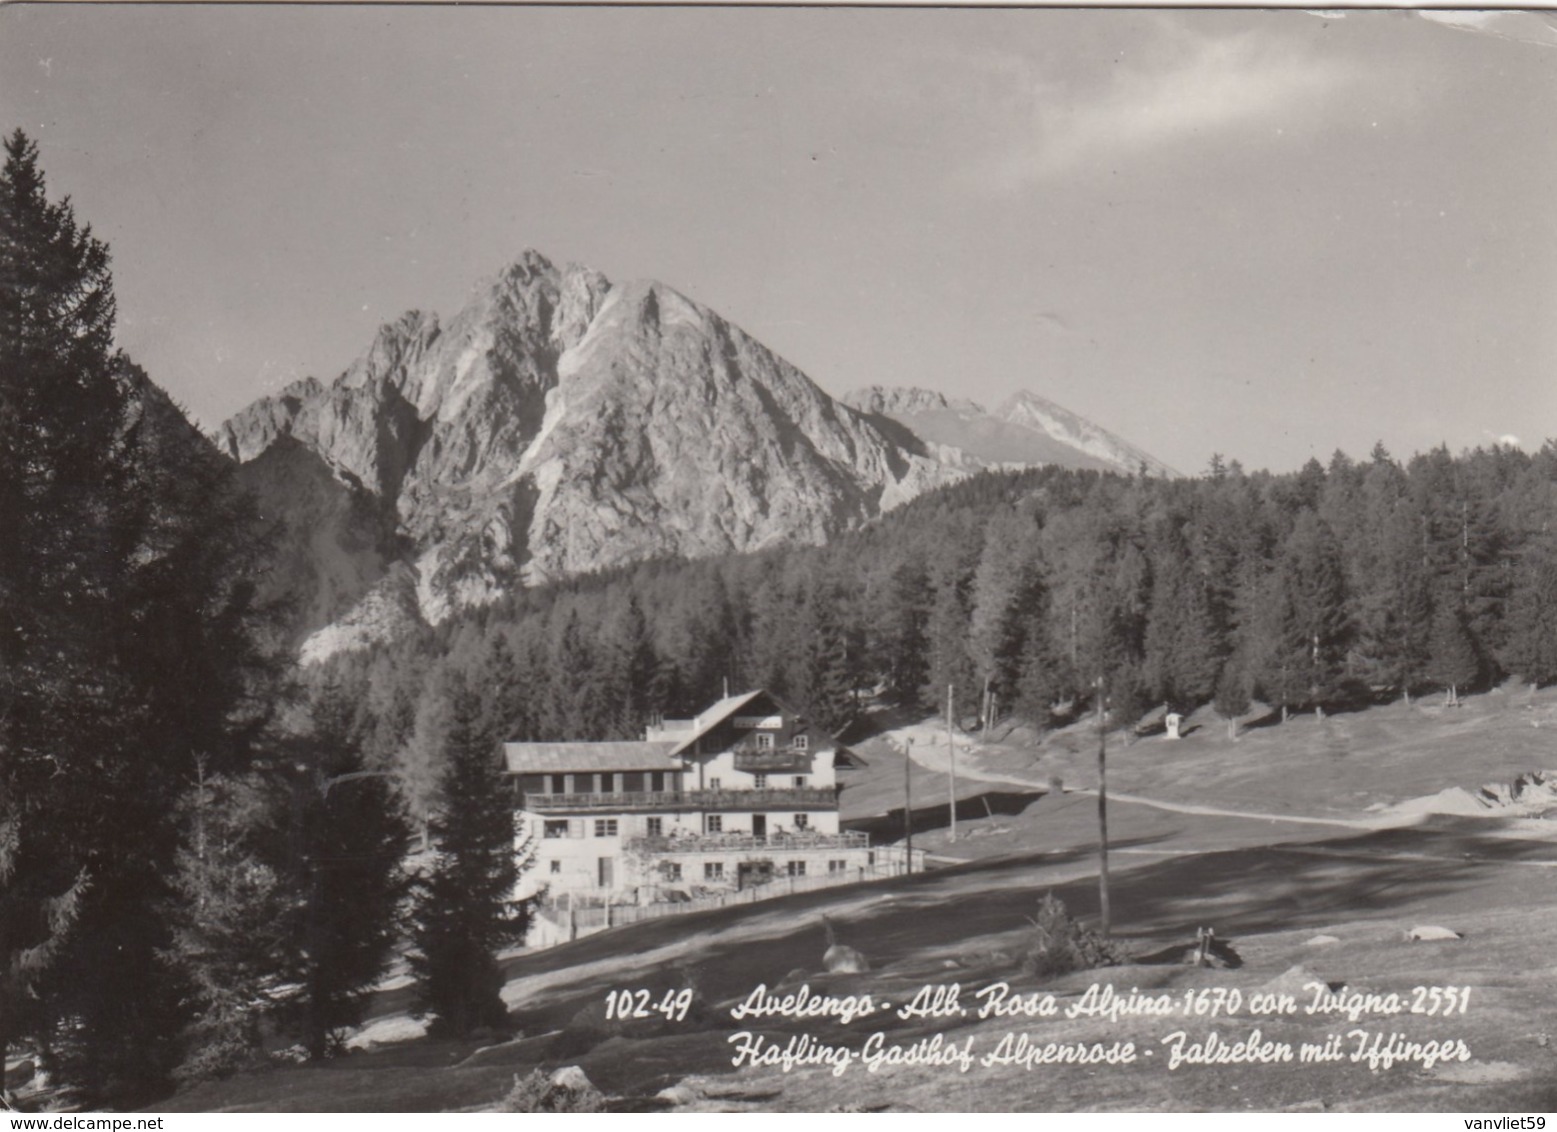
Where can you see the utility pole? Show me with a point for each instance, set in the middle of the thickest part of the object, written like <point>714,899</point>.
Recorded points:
<point>951,765</point>
<point>908,804</point>
<point>1102,808</point>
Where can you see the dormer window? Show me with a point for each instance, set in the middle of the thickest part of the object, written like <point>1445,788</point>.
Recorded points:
<point>802,742</point>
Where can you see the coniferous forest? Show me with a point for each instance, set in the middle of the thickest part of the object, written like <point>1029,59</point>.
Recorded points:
<point>1330,588</point>
<point>203,849</point>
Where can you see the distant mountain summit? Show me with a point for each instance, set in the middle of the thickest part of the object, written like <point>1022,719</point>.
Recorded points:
<point>558,424</point>
<point>1024,430</point>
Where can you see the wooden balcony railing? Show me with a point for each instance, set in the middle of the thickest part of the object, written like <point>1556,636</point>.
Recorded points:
<point>786,760</point>
<point>723,842</point>
<point>628,801</point>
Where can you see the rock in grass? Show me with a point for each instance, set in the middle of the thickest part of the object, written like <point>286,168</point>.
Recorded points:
<point>1322,941</point>
<point>676,1095</point>
<point>1422,933</point>
<point>572,1078</point>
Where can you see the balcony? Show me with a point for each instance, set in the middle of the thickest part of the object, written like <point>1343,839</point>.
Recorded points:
<point>736,842</point>
<point>638,801</point>
<point>787,761</point>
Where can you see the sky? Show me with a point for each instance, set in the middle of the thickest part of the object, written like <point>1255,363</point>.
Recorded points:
<point>1263,234</point>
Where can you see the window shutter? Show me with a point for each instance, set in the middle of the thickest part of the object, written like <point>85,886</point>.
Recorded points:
<point>576,827</point>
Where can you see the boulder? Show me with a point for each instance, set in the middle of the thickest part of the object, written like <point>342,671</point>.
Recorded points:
<point>572,1078</point>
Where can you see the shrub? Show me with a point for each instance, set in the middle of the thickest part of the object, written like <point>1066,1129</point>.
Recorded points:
<point>539,1093</point>
<point>1061,945</point>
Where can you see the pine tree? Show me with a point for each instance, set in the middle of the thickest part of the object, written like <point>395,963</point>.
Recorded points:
<point>1039,683</point>
<point>1313,590</point>
<point>1533,641</point>
<point>578,712</point>
<point>351,839</point>
<point>230,921</point>
<point>130,645</point>
<point>418,764</point>
<point>1453,663</point>
<point>60,410</point>
<point>632,679</point>
<point>507,713</point>
<point>900,641</point>
<point>34,926</point>
<point>464,907</point>
<point>1181,661</point>
<point>1232,696</point>
<point>1007,588</point>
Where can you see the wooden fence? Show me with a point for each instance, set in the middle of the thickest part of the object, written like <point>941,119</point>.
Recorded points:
<point>558,923</point>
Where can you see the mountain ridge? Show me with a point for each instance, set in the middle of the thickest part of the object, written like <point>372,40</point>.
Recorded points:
<point>560,423</point>
<point>1025,429</point>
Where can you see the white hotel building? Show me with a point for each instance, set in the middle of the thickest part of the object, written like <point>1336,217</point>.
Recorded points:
<point>743,794</point>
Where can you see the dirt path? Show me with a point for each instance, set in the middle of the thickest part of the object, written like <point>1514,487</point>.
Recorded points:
<point>929,751</point>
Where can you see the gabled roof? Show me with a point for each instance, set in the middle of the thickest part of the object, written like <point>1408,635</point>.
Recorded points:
<point>561,758</point>
<point>711,717</point>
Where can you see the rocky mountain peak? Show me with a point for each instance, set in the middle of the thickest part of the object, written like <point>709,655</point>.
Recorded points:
<point>888,399</point>
<point>558,423</point>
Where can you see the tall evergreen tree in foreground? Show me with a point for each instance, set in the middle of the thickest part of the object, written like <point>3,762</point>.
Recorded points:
<point>353,837</point>
<point>464,909</point>
<point>59,413</point>
<point>129,651</point>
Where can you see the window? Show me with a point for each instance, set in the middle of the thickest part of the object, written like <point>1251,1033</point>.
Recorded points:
<point>559,784</point>
<point>556,867</point>
<point>713,870</point>
<point>713,784</point>
<point>713,823</point>
<point>607,783</point>
<point>670,870</point>
<point>797,868</point>
<point>802,821</point>
<point>764,740</point>
<point>836,867</point>
<point>800,780</point>
<point>656,827</point>
<point>657,781</point>
<point>801,742</point>
<point>759,780</point>
<point>605,827</point>
<point>555,828</point>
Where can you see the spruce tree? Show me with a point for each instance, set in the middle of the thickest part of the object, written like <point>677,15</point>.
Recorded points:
<point>1533,639</point>
<point>230,923</point>
<point>350,838</point>
<point>130,646</point>
<point>60,410</point>
<point>1454,662</point>
<point>465,910</point>
<point>899,642</point>
<point>1232,696</point>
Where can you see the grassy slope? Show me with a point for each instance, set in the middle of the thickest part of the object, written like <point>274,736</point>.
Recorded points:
<point>1268,884</point>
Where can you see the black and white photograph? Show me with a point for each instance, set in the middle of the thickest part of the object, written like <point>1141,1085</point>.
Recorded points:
<point>717,558</point>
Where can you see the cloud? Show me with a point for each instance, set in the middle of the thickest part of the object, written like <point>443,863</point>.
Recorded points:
<point>1539,28</point>
<point>1194,87</point>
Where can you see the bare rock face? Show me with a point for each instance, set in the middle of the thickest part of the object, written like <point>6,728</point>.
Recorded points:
<point>559,424</point>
